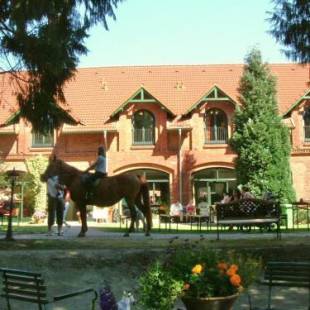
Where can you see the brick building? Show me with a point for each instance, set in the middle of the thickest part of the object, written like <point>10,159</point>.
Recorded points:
<point>170,122</point>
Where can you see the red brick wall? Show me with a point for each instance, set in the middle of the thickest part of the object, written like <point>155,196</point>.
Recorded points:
<point>81,149</point>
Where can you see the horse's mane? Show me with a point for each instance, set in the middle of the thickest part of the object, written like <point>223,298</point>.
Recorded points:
<point>69,169</point>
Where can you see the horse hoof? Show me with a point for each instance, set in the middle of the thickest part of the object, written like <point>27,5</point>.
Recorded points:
<point>126,234</point>
<point>81,235</point>
<point>147,234</point>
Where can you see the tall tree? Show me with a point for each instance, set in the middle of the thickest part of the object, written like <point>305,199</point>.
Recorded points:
<point>46,38</point>
<point>290,21</point>
<point>261,140</point>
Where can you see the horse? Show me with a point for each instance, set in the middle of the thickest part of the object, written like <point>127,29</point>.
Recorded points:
<point>110,190</point>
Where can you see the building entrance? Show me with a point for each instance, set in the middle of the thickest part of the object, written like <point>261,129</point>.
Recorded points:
<point>209,185</point>
<point>158,186</point>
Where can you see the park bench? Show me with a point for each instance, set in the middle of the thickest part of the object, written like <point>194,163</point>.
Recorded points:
<point>29,287</point>
<point>248,212</point>
<point>287,274</point>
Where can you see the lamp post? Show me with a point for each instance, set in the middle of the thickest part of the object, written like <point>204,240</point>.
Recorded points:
<point>13,174</point>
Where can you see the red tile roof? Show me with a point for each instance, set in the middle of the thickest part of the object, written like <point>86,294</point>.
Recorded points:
<point>95,93</point>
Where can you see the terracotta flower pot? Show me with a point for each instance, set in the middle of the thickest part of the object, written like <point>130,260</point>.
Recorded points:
<point>211,303</point>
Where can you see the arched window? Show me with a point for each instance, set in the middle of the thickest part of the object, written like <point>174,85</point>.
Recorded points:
<point>216,130</point>
<point>307,124</point>
<point>143,128</point>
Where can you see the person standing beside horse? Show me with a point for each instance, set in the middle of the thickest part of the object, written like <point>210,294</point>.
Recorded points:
<point>100,166</point>
<point>55,194</point>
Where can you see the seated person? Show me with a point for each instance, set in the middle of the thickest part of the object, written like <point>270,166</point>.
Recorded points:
<point>245,193</point>
<point>190,208</point>
<point>203,208</point>
<point>176,209</point>
<point>228,197</point>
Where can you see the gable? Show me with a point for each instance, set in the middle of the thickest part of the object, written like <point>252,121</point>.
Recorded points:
<point>140,96</point>
<point>214,94</point>
<point>66,117</point>
<point>306,96</point>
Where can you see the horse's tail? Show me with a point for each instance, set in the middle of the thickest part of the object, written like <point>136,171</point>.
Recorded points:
<point>145,205</point>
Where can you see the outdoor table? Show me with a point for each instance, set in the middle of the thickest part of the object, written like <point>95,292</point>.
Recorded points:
<point>199,219</point>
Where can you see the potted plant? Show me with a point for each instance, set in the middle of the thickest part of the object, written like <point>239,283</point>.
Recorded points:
<point>209,279</point>
<point>158,289</point>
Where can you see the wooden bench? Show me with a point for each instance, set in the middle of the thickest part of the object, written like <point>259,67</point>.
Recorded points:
<point>249,212</point>
<point>288,274</point>
<point>29,287</point>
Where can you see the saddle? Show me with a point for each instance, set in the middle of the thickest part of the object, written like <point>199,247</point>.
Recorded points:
<point>90,181</point>
<point>87,180</point>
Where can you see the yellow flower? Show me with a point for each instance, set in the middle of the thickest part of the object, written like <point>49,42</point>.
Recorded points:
<point>235,280</point>
<point>197,269</point>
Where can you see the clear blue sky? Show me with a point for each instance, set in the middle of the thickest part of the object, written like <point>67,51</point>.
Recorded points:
<point>154,32</point>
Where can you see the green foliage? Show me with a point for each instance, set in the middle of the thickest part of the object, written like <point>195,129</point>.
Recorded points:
<point>291,27</point>
<point>46,38</point>
<point>261,140</point>
<point>195,270</point>
<point>158,289</point>
<point>36,166</point>
<point>4,182</point>
<point>206,272</point>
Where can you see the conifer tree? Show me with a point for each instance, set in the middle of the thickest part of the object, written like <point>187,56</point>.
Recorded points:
<point>290,22</point>
<point>46,38</point>
<point>261,140</point>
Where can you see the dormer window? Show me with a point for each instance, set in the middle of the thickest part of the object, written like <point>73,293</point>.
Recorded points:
<point>307,125</point>
<point>143,128</point>
<point>39,140</point>
<point>216,130</point>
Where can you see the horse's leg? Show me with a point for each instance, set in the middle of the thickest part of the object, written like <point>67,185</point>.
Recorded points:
<point>82,209</point>
<point>148,216</point>
<point>143,203</point>
<point>133,216</point>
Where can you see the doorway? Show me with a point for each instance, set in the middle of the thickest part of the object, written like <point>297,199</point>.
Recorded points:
<point>210,184</point>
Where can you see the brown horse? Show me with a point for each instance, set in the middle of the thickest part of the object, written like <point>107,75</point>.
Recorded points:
<point>110,190</point>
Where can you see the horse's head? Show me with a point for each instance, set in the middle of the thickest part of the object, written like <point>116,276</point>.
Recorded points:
<point>53,168</point>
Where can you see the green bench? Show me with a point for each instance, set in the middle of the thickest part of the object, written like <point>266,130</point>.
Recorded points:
<point>287,274</point>
<point>29,287</point>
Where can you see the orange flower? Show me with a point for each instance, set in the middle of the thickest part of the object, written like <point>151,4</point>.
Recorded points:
<point>197,269</point>
<point>235,267</point>
<point>222,266</point>
<point>232,270</point>
<point>235,280</point>
<point>186,286</point>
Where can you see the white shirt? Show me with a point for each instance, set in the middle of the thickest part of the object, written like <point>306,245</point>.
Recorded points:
<point>176,209</point>
<point>203,208</point>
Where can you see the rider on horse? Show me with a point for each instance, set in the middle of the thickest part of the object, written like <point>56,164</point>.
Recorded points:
<point>100,166</point>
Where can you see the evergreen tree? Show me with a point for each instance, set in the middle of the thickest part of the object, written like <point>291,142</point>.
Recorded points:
<point>46,38</point>
<point>261,140</point>
<point>291,27</point>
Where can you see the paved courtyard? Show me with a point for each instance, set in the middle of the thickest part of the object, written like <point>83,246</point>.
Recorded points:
<point>283,298</point>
